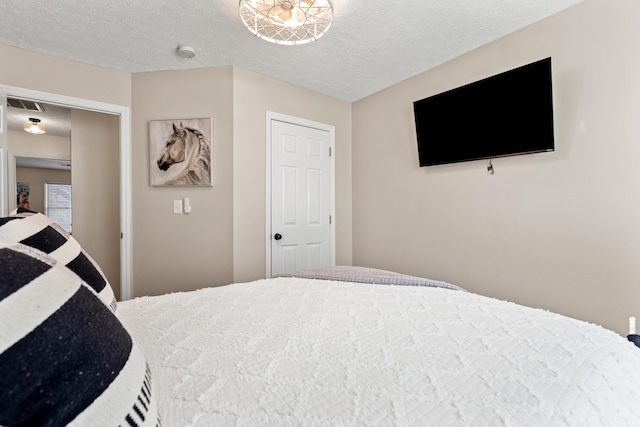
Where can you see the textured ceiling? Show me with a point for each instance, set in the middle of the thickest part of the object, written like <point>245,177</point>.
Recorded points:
<point>371,45</point>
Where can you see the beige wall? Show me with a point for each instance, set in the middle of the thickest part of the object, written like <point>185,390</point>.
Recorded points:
<point>95,190</point>
<point>36,71</point>
<point>253,96</point>
<point>223,239</point>
<point>36,178</point>
<point>24,144</point>
<point>554,230</point>
<point>182,252</point>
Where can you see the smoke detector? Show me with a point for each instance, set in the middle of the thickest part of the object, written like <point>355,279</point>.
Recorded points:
<point>186,51</point>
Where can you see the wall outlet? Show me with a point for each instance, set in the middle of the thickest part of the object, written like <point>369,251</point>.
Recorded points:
<point>177,207</point>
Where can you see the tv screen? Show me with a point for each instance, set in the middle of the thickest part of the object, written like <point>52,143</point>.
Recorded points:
<point>505,115</point>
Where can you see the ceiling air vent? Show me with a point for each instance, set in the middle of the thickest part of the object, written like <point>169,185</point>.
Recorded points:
<point>24,104</point>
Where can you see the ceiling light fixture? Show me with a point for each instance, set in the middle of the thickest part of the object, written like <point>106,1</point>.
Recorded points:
<point>289,22</point>
<point>34,126</point>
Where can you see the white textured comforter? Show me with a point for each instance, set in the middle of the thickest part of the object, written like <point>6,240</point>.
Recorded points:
<point>292,351</point>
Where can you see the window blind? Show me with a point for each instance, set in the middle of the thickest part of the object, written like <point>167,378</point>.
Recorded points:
<point>57,205</point>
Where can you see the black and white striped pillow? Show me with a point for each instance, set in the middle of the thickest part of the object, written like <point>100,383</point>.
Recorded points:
<point>41,232</point>
<point>64,356</point>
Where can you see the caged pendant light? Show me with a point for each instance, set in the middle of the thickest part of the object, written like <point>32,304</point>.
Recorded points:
<point>288,22</point>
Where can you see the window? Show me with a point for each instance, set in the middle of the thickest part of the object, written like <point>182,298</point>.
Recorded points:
<point>57,203</point>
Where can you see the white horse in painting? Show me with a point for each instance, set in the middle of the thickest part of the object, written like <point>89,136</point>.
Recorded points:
<point>187,145</point>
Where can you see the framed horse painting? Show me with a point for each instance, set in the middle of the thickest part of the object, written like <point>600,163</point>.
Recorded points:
<point>181,152</point>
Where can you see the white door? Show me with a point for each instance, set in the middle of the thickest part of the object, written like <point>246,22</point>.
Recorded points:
<point>301,234</point>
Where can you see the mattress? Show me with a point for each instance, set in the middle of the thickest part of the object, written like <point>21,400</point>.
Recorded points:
<point>298,351</point>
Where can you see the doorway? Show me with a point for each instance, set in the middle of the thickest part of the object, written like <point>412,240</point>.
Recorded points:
<point>300,194</point>
<point>122,114</point>
<point>34,170</point>
<point>37,154</point>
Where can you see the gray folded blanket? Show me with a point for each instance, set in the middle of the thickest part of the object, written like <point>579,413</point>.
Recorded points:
<point>347,273</point>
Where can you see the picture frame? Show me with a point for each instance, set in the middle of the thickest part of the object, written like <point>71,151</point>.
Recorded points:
<point>22,195</point>
<point>181,152</point>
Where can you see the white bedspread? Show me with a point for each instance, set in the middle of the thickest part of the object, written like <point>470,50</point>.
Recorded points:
<point>291,351</point>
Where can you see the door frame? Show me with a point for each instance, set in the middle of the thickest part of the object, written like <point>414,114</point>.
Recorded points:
<point>125,163</point>
<point>270,117</point>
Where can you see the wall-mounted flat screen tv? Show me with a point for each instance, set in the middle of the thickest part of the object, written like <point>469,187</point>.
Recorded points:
<point>504,115</point>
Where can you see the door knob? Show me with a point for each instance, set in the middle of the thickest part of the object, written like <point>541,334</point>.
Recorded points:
<point>277,236</point>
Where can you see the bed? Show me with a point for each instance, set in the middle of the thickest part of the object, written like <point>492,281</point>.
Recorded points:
<point>340,346</point>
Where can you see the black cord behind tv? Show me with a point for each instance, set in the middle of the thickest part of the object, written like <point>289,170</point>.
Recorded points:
<point>508,114</point>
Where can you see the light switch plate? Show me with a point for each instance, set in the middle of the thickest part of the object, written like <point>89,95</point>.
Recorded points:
<point>177,207</point>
